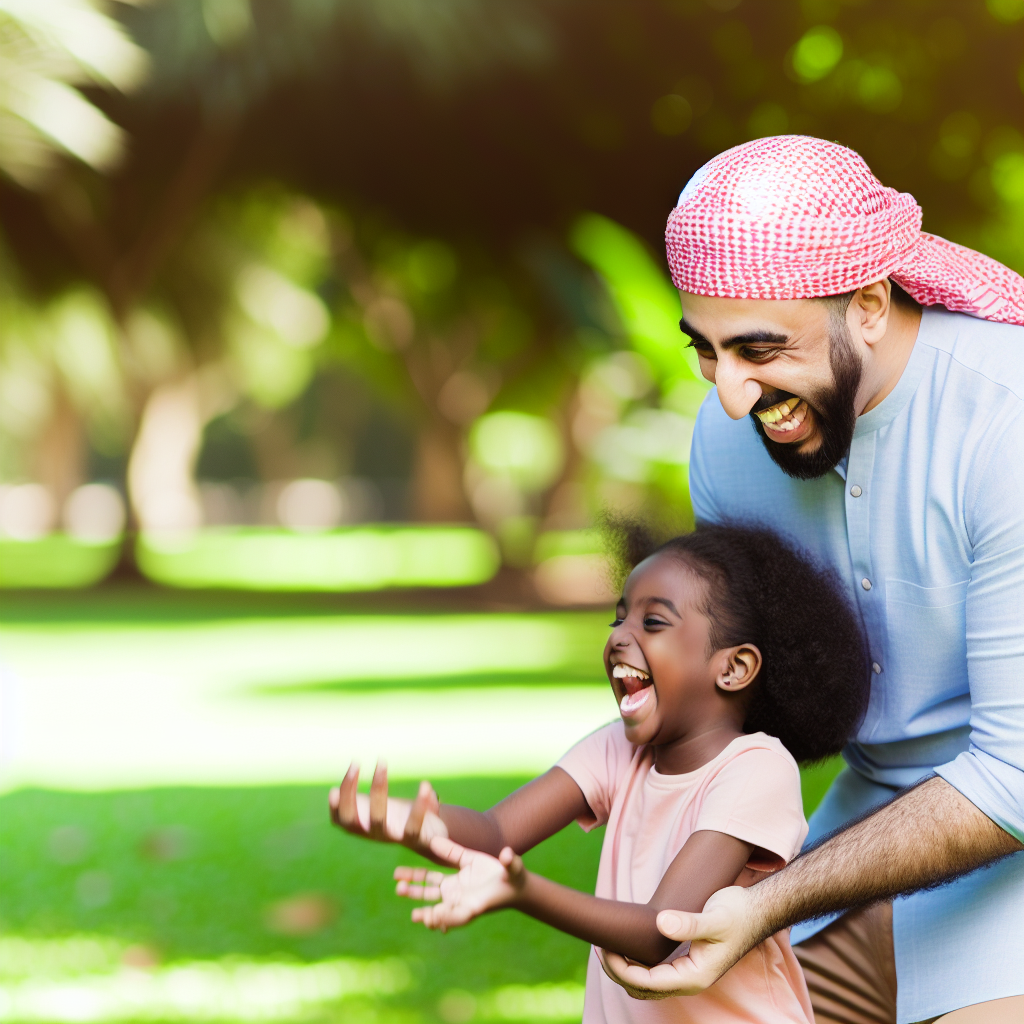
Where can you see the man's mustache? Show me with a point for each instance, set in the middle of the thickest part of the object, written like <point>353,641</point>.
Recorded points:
<point>767,401</point>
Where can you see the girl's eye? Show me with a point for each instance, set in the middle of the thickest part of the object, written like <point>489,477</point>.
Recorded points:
<point>617,622</point>
<point>652,620</point>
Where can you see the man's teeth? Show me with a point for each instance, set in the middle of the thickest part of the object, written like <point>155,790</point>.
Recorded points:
<point>628,672</point>
<point>787,415</point>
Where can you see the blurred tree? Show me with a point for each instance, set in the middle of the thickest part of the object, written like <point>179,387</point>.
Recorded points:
<point>464,141</point>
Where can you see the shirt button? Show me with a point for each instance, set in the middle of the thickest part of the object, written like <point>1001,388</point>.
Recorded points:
<point>866,583</point>
<point>856,491</point>
<point>876,668</point>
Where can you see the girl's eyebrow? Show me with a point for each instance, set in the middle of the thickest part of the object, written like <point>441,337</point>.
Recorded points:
<point>666,602</point>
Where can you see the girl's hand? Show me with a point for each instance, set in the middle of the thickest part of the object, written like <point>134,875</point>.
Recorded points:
<point>483,883</point>
<point>413,823</point>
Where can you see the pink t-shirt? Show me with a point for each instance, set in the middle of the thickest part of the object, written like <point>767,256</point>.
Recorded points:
<point>751,790</point>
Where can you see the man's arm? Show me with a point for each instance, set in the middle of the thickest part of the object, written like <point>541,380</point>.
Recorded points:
<point>927,836</point>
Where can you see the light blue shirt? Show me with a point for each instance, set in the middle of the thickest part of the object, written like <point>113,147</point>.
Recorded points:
<point>925,524</point>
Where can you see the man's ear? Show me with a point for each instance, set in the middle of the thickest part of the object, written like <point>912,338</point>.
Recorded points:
<point>868,312</point>
<point>742,665</point>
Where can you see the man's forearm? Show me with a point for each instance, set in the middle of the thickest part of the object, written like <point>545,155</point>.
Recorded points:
<point>929,835</point>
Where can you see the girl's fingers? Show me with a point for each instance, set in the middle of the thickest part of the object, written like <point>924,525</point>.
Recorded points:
<point>432,802</point>
<point>420,806</point>
<point>511,862</point>
<point>451,853</point>
<point>403,874</point>
<point>418,892</point>
<point>379,802</point>
<point>345,811</point>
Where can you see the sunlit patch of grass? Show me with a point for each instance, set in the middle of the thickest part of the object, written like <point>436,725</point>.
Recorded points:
<point>91,978</point>
<point>94,979</point>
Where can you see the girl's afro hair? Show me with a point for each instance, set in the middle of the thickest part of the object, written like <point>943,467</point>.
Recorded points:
<point>813,687</point>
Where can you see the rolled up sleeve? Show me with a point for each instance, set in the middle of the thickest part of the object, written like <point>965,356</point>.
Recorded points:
<point>991,772</point>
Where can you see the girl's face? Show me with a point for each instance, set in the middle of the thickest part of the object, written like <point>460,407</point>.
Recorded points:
<point>666,684</point>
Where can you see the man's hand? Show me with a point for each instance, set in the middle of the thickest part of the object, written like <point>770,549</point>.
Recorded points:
<point>483,883</point>
<point>413,823</point>
<point>718,937</point>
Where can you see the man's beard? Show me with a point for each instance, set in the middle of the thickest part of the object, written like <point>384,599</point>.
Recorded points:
<point>834,412</point>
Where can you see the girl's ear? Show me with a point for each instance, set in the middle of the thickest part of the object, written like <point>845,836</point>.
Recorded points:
<point>742,665</point>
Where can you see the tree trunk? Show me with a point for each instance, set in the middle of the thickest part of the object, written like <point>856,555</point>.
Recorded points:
<point>60,451</point>
<point>438,495</point>
<point>160,471</point>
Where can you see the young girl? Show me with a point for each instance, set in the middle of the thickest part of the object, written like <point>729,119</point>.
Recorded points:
<point>731,658</point>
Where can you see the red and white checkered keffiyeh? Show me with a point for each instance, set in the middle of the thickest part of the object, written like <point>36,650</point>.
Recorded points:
<point>794,217</point>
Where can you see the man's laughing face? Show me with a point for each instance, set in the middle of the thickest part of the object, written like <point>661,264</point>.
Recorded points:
<point>790,365</point>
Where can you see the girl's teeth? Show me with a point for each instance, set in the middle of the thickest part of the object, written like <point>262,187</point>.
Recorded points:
<point>628,672</point>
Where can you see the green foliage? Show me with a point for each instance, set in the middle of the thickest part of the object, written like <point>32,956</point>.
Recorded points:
<point>818,51</point>
<point>643,295</point>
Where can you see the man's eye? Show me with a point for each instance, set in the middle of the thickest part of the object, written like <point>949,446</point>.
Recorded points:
<point>759,355</point>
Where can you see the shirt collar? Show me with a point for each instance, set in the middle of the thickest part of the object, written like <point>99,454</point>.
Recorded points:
<point>892,405</point>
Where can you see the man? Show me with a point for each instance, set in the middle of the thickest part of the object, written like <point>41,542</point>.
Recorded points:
<point>888,440</point>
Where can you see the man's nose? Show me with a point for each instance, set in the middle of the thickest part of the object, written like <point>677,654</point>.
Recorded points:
<point>738,391</point>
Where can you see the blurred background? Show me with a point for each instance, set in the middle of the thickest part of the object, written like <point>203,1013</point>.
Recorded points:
<point>328,328</point>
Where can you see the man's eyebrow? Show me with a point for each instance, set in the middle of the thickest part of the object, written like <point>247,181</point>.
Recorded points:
<point>750,338</point>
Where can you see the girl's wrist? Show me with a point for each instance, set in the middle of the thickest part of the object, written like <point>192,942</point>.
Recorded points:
<point>523,888</point>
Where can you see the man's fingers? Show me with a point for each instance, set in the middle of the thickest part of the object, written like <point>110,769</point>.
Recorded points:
<point>379,802</point>
<point>345,811</point>
<point>712,925</point>
<point>678,924</point>
<point>675,979</point>
<point>420,806</point>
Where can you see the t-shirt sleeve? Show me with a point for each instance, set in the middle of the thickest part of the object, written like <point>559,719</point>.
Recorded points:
<point>597,764</point>
<point>755,797</point>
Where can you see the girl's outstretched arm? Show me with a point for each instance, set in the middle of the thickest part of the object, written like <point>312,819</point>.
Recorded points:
<point>520,821</point>
<point>707,862</point>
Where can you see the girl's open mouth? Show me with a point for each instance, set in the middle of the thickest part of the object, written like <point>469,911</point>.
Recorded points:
<point>639,688</point>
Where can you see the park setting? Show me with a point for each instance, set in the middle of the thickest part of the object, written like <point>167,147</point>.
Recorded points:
<point>333,333</point>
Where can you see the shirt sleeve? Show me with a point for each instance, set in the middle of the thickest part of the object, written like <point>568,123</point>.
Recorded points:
<point>756,798</point>
<point>991,772</point>
<point>596,764</point>
<point>705,508</point>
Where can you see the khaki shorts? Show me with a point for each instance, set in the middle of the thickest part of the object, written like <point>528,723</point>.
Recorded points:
<point>851,974</point>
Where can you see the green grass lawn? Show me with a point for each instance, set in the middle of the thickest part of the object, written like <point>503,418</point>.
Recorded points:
<point>202,874</point>
<point>233,904</point>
